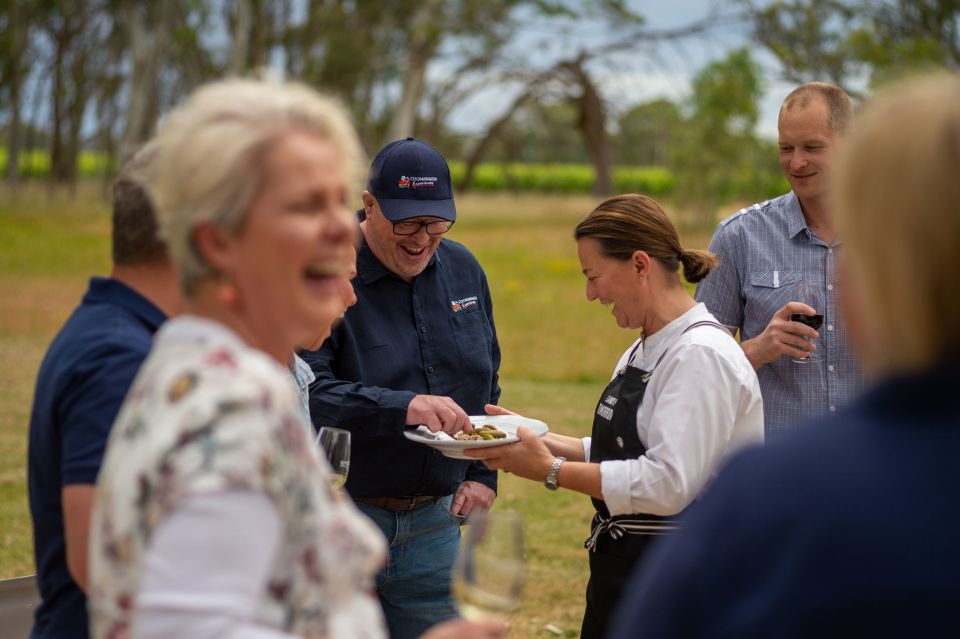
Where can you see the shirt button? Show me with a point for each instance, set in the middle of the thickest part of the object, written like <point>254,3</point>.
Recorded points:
<point>423,329</point>
<point>430,369</point>
<point>833,409</point>
<point>829,287</point>
<point>829,327</point>
<point>830,368</point>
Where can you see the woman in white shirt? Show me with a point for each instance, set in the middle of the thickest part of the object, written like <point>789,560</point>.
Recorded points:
<point>214,514</point>
<point>681,398</point>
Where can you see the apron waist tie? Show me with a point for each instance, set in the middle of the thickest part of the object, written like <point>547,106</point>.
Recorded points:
<point>617,527</point>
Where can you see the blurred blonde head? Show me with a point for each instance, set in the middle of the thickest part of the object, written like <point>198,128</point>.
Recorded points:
<point>209,167</point>
<point>897,202</point>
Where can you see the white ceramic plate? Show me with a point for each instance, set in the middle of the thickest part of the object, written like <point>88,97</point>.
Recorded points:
<point>507,423</point>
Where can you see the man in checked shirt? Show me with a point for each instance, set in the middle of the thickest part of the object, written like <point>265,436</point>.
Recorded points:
<point>766,249</point>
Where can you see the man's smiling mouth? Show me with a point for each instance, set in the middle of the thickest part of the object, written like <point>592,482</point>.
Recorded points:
<point>414,251</point>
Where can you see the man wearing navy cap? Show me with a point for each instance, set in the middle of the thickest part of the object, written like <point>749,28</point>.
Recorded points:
<point>418,347</point>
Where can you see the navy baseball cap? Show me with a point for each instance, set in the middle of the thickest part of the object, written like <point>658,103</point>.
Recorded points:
<point>410,178</point>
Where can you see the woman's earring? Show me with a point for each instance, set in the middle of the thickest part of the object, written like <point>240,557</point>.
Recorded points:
<point>227,293</point>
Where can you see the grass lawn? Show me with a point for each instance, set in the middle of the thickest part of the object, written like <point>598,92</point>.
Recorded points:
<point>558,352</point>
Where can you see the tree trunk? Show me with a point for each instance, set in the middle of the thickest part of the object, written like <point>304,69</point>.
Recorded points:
<point>592,122</point>
<point>240,44</point>
<point>148,48</point>
<point>56,140</point>
<point>424,35</point>
<point>18,44</point>
<point>14,128</point>
<point>76,108</point>
<point>493,131</point>
<point>29,141</point>
<point>109,112</point>
<point>261,38</point>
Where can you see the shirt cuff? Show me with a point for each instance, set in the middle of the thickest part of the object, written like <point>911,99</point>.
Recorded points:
<point>482,475</point>
<point>393,409</point>
<point>615,486</point>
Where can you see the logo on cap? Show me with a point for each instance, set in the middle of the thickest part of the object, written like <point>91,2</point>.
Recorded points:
<point>410,178</point>
<point>416,181</point>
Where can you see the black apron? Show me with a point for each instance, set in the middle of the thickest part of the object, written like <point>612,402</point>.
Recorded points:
<point>616,544</point>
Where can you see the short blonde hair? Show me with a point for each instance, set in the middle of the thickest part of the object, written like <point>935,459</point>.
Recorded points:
<point>839,105</point>
<point>209,166</point>
<point>897,204</point>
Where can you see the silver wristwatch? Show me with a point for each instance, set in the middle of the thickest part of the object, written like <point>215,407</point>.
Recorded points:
<point>551,481</point>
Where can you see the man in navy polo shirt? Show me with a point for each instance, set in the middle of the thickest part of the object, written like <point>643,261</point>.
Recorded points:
<point>82,382</point>
<point>418,347</point>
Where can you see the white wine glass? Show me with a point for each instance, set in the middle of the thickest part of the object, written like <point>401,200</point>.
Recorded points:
<point>335,443</point>
<point>808,292</point>
<point>489,572</point>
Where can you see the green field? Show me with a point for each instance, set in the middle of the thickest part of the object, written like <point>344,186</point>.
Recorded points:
<point>489,177</point>
<point>558,352</point>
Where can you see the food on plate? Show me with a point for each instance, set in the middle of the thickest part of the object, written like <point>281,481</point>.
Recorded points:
<point>487,432</point>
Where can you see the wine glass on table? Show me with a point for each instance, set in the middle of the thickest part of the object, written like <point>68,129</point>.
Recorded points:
<point>489,572</point>
<point>335,443</point>
<point>808,292</point>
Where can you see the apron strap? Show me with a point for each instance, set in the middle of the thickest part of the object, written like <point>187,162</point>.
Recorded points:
<point>620,526</point>
<point>707,323</point>
<point>647,374</point>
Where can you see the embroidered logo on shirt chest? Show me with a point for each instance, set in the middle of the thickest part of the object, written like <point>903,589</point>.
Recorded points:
<point>461,305</point>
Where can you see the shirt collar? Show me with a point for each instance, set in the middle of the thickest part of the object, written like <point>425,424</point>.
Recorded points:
<point>655,345</point>
<point>302,372</point>
<point>113,291</point>
<point>370,269</point>
<point>794,213</point>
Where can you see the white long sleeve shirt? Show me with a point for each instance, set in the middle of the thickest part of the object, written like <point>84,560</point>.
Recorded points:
<point>702,403</point>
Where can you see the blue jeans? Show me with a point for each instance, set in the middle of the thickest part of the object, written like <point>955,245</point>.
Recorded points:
<point>414,588</point>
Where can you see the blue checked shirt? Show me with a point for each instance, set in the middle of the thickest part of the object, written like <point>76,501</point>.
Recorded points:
<point>764,250</point>
<point>302,378</point>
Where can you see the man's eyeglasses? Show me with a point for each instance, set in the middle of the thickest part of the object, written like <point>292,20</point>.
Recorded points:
<point>434,227</point>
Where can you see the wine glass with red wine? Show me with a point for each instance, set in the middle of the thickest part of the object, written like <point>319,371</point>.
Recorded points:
<point>808,292</point>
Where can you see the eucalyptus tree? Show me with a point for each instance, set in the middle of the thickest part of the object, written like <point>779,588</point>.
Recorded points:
<point>16,21</point>
<point>718,156</point>
<point>857,44</point>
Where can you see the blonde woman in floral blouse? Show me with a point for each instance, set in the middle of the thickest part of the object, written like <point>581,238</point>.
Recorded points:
<point>214,516</point>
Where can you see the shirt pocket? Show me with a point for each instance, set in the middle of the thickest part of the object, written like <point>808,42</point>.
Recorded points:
<point>768,292</point>
<point>473,335</point>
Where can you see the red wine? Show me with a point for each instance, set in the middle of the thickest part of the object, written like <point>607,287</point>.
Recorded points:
<point>813,321</point>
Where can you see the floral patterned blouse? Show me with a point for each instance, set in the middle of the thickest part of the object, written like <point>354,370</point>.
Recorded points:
<point>207,413</point>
